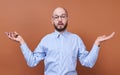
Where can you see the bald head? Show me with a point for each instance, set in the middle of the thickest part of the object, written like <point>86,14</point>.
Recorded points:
<point>59,11</point>
<point>60,19</point>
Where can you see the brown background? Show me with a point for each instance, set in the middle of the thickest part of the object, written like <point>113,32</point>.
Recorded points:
<point>32,19</point>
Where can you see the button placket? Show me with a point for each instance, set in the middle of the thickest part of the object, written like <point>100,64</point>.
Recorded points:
<point>60,47</point>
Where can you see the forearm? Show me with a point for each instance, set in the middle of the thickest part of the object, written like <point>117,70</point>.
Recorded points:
<point>28,55</point>
<point>32,58</point>
<point>90,59</point>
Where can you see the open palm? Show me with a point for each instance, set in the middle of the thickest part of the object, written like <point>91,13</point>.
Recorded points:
<point>14,36</point>
<point>103,38</point>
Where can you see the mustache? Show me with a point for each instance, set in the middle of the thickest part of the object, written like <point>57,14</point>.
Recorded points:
<point>60,23</point>
<point>61,29</point>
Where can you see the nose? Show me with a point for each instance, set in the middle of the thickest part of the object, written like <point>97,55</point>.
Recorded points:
<point>60,19</point>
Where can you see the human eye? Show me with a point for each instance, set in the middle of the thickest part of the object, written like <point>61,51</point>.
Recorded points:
<point>63,16</point>
<point>55,17</point>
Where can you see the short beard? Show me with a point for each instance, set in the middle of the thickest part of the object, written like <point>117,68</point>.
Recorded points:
<point>60,30</point>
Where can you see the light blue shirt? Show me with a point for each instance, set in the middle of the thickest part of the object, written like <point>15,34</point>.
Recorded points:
<point>60,53</point>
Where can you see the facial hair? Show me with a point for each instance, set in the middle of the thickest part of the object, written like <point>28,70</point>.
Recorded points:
<point>60,29</point>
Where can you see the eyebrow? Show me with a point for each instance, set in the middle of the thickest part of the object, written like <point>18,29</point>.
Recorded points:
<point>61,14</point>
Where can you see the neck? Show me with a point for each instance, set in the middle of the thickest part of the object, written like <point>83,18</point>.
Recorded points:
<point>61,31</point>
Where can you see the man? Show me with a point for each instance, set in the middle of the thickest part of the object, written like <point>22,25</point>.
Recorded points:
<point>61,48</point>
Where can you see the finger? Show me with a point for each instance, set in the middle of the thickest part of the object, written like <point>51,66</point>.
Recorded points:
<point>16,34</point>
<point>6,33</point>
<point>110,36</point>
<point>113,33</point>
<point>103,36</point>
<point>10,35</point>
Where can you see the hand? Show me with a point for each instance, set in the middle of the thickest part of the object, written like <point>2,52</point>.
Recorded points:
<point>103,38</point>
<point>15,36</point>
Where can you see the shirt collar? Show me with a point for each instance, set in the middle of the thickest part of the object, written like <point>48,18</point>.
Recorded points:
<point>57,34</point>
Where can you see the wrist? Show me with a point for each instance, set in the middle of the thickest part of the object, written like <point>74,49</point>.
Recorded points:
<point>21,42</point>
<point>97,43</point>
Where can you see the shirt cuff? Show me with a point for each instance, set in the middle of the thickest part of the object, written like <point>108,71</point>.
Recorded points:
<point>95,48</point>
